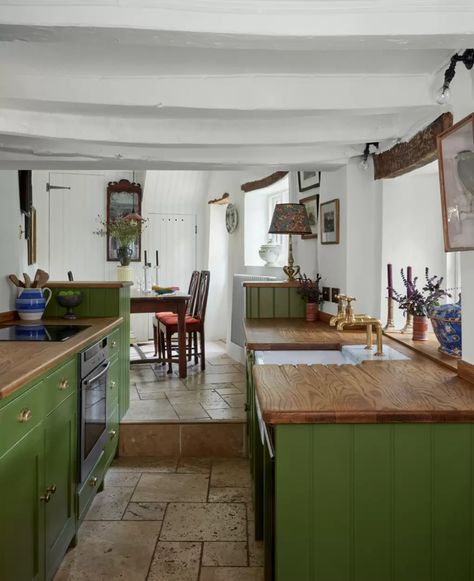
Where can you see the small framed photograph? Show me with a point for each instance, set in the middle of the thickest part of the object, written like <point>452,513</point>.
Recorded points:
<point>307,180</point>
<point>330,222</point>
<point>311,203</point>
<point>456,176</point>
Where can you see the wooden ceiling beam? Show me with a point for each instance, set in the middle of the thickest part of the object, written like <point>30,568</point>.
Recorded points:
<point>264,182</point>
<point>420,150</point>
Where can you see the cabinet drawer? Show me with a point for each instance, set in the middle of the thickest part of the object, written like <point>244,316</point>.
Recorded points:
<point>90,486</point>
<point>114,343</point>
<point>20,416</point>
<point>113,431</point>
<point>60,384</point>
<point>114,384</point>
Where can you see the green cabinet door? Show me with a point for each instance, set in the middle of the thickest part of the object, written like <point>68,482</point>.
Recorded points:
<point>60,429</point>
<point>22,510</point>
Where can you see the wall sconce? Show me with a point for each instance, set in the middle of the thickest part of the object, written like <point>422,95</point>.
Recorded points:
<point>364,164</point>
<point>467,58</point>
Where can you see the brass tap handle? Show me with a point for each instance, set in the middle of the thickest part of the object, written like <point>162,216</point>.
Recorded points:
<point>350,299</point>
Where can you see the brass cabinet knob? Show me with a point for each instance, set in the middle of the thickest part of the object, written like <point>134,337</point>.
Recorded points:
<point>113,384</point>
<point>51,489</point>
<point>114,343</point>
<point>63,384</point>
<point>112,434</point>
<point>46,498</point>
<point>93,481</point>
<point>25,416</point>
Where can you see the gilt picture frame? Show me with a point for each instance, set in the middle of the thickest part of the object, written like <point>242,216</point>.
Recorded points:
<point>456,176</point>
<point>308,180</point>
<point>329,220</point>
<point>311,203</point>
<point>123,198</point>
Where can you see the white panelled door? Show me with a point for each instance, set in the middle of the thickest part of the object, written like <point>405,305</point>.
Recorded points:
<point>73,219</point>
<point>174,236</point>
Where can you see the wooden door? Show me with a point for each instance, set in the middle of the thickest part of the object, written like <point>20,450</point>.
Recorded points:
<point>73,218</point>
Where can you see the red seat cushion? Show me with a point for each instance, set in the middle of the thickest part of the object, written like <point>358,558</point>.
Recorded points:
<point>160,316</point>
<point>173,320</point>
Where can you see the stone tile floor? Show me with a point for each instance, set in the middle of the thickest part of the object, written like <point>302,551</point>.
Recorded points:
<point>169,520</point>
<point>216,394</point>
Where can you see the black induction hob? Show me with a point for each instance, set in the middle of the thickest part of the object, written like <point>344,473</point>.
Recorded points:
<point>39,332</point>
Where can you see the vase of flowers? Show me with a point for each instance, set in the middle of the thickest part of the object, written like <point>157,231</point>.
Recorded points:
<point>310,291</point>
<point>125,230</point>
<point>420,302</point>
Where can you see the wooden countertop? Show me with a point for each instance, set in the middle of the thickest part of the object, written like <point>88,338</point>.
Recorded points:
<point>22,362</point>
<point>414,391</point>
<point>88,284</point>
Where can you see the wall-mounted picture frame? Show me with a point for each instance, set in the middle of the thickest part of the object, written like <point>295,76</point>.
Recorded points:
<point>456,176</point>
<point>311,203</point>
<point>308,180</point>
<point>123,198</point>
<point>329,218</point>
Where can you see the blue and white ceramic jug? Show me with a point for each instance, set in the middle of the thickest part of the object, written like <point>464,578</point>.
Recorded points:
<point>31,303</point>
<point>447,325</point>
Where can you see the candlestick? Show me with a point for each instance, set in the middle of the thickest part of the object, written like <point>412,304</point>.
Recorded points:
<point>146,278</point>
<point>389,281</point>
<point>157,260</point>
<point>390,322</point>
<point>409,280</point>
<point>146,261</point>
<point>408,328</point>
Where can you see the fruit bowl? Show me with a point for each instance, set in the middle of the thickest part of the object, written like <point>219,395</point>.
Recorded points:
<point>69,299</point>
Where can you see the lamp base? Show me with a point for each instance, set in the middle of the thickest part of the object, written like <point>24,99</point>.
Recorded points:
<point>290,269</point>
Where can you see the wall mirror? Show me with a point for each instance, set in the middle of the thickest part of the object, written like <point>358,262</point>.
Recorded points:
<point>123,198</point>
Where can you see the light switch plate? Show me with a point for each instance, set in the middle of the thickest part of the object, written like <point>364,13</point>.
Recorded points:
<point>326,293</point>
<point>334,294</point>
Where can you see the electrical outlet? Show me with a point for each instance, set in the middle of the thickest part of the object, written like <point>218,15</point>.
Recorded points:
<point>334,293</point>
<point>326,294</point>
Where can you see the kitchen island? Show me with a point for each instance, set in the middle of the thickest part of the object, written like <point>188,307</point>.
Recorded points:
<point>366,469</point>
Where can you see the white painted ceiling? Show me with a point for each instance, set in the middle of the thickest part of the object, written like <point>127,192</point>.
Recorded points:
<point>218,84</point>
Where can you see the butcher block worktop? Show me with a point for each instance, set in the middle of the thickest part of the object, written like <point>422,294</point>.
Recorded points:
<point>22,362</point>
<point>417,390</point>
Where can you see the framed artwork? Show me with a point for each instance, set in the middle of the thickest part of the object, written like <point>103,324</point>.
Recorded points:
<point>32,247</point>
<point>456,176</point>
<point>330,222</point>
<point>307,180</point>
<point>311,203</point>
<point>123,198</point>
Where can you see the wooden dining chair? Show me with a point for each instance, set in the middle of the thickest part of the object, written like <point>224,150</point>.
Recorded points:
<point>192,291</point>
<point>168,326</point>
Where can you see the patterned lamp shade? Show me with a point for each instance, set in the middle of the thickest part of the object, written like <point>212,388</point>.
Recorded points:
<point>290,219</point>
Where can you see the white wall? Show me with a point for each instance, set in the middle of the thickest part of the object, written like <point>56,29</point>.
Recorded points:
<point>332,258</point>
<point>13,251</point>
<point>412,230</point>
<point>305,251</point>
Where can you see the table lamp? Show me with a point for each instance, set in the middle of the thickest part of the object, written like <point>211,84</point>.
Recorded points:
<point>290,219</point>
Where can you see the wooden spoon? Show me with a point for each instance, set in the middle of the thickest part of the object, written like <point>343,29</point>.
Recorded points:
<point>43,278</point>
<point>15,280</point>
<point>27,280</point>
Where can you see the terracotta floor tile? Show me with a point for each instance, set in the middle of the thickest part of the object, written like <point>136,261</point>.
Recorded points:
<point>227,553</point>
<point>231,574</point>
<point>171,488</point>
<point>145,511</point>
<point>110,504</point>
<point>111,550</point>
<point>204,522</point>
<point>175,562</point>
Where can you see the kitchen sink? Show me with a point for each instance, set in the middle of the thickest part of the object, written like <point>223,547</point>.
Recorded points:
<point>347,355</point>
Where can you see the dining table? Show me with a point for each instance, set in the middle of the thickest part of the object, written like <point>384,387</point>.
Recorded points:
<point>151,302</point>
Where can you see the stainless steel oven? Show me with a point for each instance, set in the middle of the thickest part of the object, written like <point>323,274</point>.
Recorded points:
<point>94,367</point>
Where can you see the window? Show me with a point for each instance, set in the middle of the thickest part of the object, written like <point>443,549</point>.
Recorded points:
<point>259,206</point>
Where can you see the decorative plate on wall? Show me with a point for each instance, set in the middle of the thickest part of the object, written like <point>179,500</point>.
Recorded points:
<point>231,218</point>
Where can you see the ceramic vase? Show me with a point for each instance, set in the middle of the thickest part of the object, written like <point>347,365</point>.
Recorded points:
<point>447,325</point>
<point>269,253</point>
<point>311,311</point>
<point>124,254</point>
<point>31,303</point>
<point>420,328</point>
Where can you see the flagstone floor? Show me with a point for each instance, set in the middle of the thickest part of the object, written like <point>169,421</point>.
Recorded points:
<point>216,394</point>
<point>169,520</point>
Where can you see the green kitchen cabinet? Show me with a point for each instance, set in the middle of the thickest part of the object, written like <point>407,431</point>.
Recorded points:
<point>22,509</point>
<point>60,446</point>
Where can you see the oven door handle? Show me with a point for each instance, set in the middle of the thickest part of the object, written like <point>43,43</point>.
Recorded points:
<point>96,377</point>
